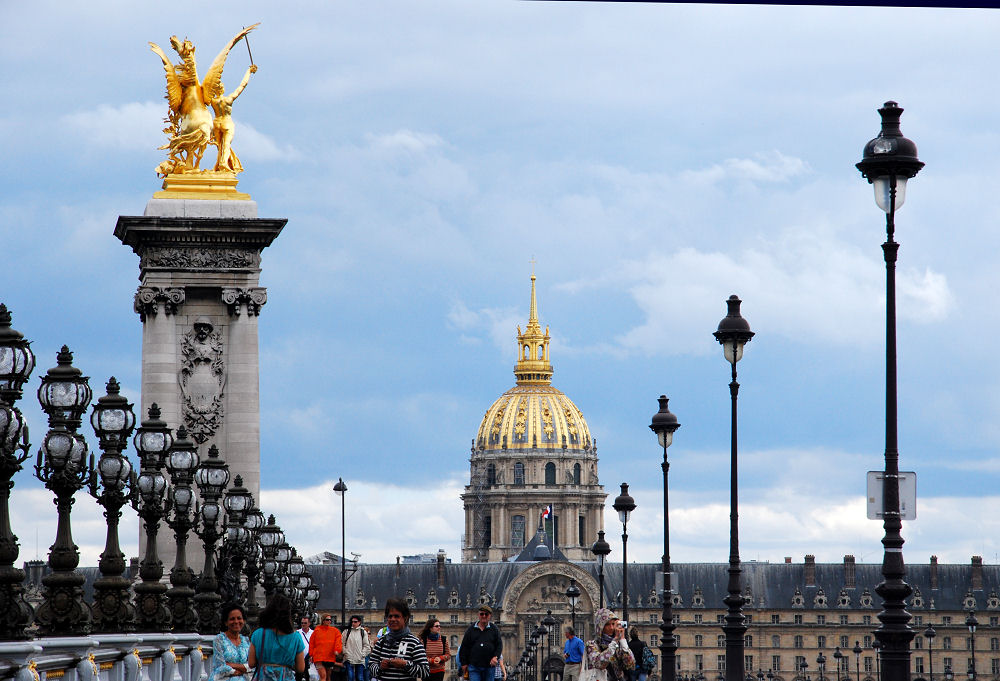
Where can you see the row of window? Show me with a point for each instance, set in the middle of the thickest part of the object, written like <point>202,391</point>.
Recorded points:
<point>844,620</point>
<point>518,528</point>
<point>845,642</point>
<point>867,664</point>
<point>550,474</point>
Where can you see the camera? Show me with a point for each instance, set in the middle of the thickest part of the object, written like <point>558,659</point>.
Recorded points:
<point>623,623</point>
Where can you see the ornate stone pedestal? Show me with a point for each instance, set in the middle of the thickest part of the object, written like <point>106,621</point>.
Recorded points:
<point>199,299</point>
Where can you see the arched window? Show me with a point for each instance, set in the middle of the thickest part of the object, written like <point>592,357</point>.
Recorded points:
<point>550,473</point>
<point>576,474</point>
<point>518,473</point>
<point>491,474</point>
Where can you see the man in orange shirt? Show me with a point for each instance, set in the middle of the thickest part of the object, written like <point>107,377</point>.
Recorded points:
<point>326,648</point>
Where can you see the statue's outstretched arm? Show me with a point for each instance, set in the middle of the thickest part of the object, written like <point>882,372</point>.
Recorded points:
<point>243,83</point>
<point>213,81</point>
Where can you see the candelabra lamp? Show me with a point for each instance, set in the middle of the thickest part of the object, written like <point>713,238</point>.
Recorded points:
<point>253,562</point>
<point>62,465</point>
<point>211,477</point>
<point>152,442</point>
<point>16,364</point>
<point>238,502</point>
<point>271,537</point>
<point>182,461</point>
<point>113,422</point>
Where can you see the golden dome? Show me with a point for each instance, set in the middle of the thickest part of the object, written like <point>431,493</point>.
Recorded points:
<point>533,414</point>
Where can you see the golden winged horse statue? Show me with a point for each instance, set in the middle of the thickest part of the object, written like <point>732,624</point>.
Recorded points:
<point>190,124</point>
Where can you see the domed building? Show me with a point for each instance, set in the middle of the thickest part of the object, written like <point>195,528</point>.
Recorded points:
<point>533,465</point>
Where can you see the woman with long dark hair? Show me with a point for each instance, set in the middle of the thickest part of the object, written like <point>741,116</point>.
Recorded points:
<point>436,646</point>
<point>275,647</point>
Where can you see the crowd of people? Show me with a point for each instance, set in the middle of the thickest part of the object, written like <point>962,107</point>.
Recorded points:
<point>276,651</point>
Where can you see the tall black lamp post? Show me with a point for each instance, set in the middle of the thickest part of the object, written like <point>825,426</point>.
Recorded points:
<point>971,622</point>
<point>211,477</point>
<point>601,549</point>
<point>624,504</point>
<point>253,560</point>
<point>152,441</point>
<point>733,333</point>
<point>182,460</point>
<point>113,422</point>
<point>62,466</point>
<point>821,665</point>
<point>857,658</point>
<point>16,364</point>
<point>239,538</point>
<point>929,634</point>
<point>887,162</point>
<point>838,656</point>
<point>664,425</point>
<point>548,623</point>
<point>573,595</point>
<point>341,489</point>
<point>271,537</point>
<point>877,647</point>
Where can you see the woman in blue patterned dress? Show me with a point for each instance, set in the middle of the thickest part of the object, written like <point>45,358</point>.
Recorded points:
<point>276,647</point>
<point>230,647</point>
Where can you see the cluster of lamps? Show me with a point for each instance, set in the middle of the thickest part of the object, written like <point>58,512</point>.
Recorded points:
<point>195,499</point>
<point>527,666</point>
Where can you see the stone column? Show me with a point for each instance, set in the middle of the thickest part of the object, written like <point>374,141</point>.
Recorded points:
<point>199,299</point>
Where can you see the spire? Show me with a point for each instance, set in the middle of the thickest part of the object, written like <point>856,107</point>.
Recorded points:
<point>533,367</point>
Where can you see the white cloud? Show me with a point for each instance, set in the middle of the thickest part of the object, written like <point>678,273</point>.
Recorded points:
<point>497,324</point>
<point>135,126</point>
<point>769,167</point>
<point>251,144</point>
<point>404,140</point>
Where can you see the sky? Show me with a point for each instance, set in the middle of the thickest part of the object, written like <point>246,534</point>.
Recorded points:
<point>652,159</point>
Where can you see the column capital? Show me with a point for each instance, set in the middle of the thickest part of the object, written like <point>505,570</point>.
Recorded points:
<point>251,298</point>
<point>149,298</point>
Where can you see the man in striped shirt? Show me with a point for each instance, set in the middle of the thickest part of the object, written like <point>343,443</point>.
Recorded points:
<point>399,655</point>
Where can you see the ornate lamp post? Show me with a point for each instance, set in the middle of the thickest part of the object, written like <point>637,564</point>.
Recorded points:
<point>181,463</point>
<point>270,538</point>
<point>733,333</point>
<point>548,623</point>
<point>838,656</point>
<point>821,665</point>
<point>295,568</point>
<point>152,442</point>
<point>573,595</point>
<point>624,504</point>
<point>877,647</point>
<point>665,425</point>
<point>283,555</point>
<point>601,549</point>
<point>16,364</point>
<point>929,634</point>
<point>211,477</point>
<point>253,561</point>
<point>857,658</point>
<point>341,489</point>
<point>238,503</point>
<point>971,622</point>
<point>887,162</point>
<point>61,465</point>
<point>113,422</point>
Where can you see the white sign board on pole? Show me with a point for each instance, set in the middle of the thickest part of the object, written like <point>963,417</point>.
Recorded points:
<point>907,495</point>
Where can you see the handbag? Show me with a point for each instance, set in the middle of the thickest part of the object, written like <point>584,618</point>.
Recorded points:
<point>589,673</point>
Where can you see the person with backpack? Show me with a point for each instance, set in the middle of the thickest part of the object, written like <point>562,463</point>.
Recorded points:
<point>481,647</point>
<point>642,655</point>
<point>357,646</point>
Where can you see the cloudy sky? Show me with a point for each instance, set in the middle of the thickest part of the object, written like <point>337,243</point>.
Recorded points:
<point>653,160</point>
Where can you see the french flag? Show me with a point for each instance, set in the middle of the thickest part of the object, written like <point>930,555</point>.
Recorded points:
<point>547,513</point>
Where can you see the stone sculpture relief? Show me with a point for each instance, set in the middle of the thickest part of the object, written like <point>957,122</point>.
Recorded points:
<point>202,379</point>
<point>199,258</point>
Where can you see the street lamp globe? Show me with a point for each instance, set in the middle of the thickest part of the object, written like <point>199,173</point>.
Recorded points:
<point>64,393</point>
<point>17,361</point>
<point>573,593</point>
<point>733,332</point>
<point>889,160</point>
<point>624,504</point>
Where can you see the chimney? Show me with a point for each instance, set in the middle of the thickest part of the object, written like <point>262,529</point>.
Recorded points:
<point>849,566</point>
<point>810,570</point>
<point>934,572</point>
<point>440,566</point>
<point>788,560</point>
<point>397,567</point>
<point>977,573</point>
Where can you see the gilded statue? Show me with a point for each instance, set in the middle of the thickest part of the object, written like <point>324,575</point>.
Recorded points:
<point>190,124</point>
